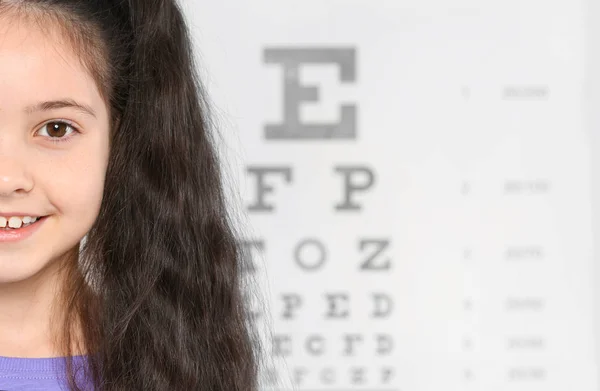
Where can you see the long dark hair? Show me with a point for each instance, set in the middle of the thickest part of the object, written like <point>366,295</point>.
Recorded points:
<point>156,286</point>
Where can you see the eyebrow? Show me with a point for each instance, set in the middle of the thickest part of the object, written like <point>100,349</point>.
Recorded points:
<point>59,104</point>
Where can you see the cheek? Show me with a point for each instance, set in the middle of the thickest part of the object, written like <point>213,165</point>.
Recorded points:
<point>75,182</point>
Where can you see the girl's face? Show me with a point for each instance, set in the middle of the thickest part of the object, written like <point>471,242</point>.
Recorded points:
<point>53,156</point>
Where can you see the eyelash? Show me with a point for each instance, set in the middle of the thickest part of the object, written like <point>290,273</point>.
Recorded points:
<point>61,139</point>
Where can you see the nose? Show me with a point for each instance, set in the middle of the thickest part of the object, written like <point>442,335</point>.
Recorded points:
<point>14,179</point>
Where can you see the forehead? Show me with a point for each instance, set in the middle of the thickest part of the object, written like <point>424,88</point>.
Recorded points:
<point>39,64</point>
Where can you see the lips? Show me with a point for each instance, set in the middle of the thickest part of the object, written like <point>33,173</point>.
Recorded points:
<point>9,235</point>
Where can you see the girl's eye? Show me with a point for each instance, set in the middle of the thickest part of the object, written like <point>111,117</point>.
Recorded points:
<point>58,130</point>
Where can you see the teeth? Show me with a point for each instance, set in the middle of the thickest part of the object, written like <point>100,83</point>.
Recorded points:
<point>16,222</point>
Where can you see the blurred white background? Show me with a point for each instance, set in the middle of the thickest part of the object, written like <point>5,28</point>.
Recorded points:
<point>420,180</point>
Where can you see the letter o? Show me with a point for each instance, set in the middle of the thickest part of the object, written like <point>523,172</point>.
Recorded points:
<point>320,259</point>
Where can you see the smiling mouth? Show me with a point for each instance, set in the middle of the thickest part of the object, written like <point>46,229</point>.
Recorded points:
<point>7,228</point>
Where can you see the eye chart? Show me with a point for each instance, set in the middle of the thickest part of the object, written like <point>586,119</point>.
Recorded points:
<point>420,178</point>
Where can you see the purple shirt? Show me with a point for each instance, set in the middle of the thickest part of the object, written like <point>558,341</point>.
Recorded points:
<point>35,374</point>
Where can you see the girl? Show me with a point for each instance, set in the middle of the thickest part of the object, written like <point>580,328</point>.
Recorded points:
<point>119,265</point>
